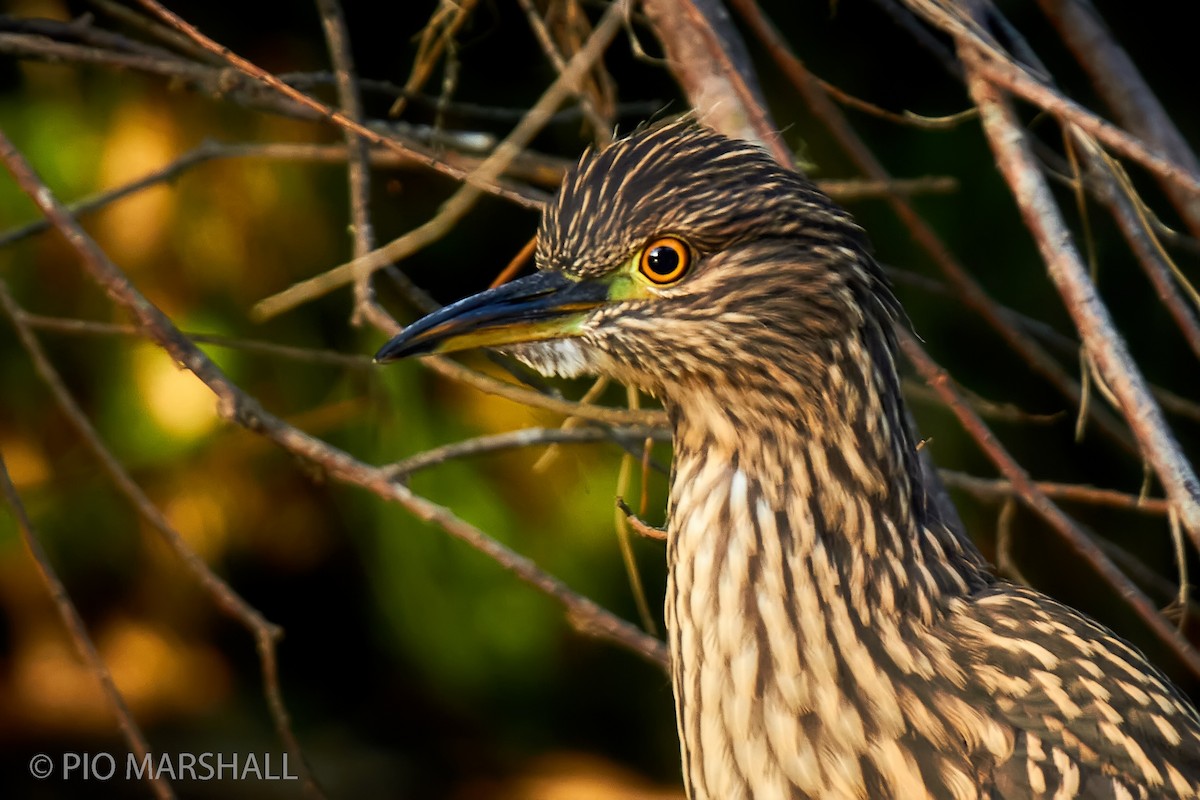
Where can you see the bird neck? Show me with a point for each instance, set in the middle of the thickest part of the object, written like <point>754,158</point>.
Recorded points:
<point>828,483</point>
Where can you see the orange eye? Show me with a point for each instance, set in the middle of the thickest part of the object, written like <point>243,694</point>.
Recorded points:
<point>665,260</point>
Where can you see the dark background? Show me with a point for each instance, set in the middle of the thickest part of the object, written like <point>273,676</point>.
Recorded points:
<point>412,665</point>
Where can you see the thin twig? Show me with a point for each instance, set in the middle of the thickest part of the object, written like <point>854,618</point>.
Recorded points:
<point>1106,178</point>
<point>1000,70</point>
<point>209,71</point>
<point>907,118</point>
<point>80,327</point>
<point>1104,345</point>
<point>1004,412</point>
<point>236,406</point>
<point>921,33</point>
<point>528,166</point>
<point>222,82</point>
<point>81,30</point>
<point>965,285</point>
<point>1117,193</point>
<point>456,207</point>
<point>601,127</point>
<point>1176,404</point>
<point>713,68</point>
<point>512,440</point>
<point>515,264</point>
<point>1145,576</point>
<point>623,542</point>
<point>79,635</point>
<point>158,31</point>
<point>445,367</point>
<point>1170,402</point>
<point>1006,565</point>
<point>992,488</point>
<point>1036,499</point>
<point>1183,598</point>
<point>1117,79</point>
<point>636,109</point>
<point>266,634</point>
<point>849,190</point>
<point>481,180</point>
<point>599,385</point>
<point>435,38</point>
<point>333,22</point>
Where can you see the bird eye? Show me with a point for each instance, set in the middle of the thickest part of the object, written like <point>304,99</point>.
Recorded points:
<point>665,260</point>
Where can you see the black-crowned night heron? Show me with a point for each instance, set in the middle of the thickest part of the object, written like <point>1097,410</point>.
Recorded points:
<point>831,636</point>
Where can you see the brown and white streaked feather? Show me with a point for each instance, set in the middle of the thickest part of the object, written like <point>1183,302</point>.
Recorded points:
<point>831,637</point>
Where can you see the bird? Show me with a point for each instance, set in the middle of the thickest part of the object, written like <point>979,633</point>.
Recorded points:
<point>832,634</point>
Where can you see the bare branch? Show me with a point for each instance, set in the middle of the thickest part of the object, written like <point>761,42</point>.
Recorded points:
<point>481,180</point>
<point>1116,192</point>
<point>711,64</point>
<point>464,199</point>
<point>444,24</point>
<point>524,437</point>
<point>601,127</point>
<point>78,632</point>
<point>991,488</point>
<point>359,177</point>
<point>1117,79</point>
<point>80,327</point>
<point>967,288</point>
<point>266,634</point>
<point>1001,70</point>
<point>1036,499</point>
<point>1104,345</point>
<point>235,406</point>
<point>528,166</point>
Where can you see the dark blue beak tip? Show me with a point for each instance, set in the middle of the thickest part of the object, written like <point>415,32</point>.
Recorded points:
<point>395,349</point>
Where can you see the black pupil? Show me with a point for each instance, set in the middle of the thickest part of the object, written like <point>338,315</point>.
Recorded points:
<point>663,260</point>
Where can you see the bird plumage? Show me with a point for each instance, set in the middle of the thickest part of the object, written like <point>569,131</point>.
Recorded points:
<point>831,636</point>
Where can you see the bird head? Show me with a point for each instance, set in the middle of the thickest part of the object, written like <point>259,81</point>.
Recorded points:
<point>674,260</point>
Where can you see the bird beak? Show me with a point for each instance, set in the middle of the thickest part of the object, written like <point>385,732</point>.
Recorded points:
<point>546,305</point>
